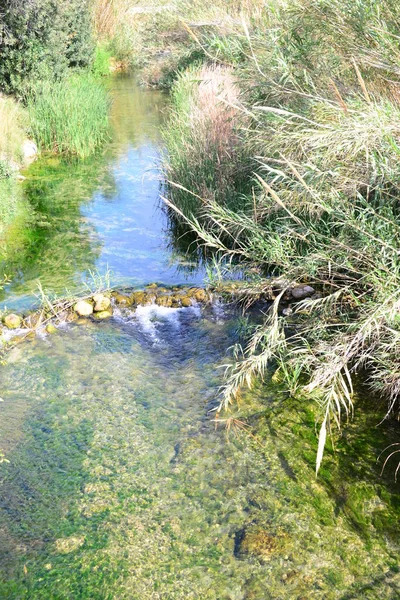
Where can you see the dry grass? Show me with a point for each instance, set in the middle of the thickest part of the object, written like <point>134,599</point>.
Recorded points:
<point>205,153</point>
<point>13,122</point>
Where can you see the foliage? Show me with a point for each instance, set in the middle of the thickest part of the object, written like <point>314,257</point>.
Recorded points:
<point>321,92</point>
<point>40,39</point>
<point>70,116</point>
<point>101,62</point>
<point>204,152</point>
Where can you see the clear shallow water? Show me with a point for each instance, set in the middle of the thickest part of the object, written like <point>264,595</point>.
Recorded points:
<point>118,485</point>
<point>98,215</point>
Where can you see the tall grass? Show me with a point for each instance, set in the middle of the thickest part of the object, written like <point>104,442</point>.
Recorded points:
<point>321,92</point>
<point>70,116</point>
<point>204,152</point>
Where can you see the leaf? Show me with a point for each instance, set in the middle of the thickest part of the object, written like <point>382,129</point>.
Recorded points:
<point>321,444</point>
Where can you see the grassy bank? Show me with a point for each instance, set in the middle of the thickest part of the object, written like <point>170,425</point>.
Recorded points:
<point>319,96</point>
<point>49,62</point>
<point>70,116</point>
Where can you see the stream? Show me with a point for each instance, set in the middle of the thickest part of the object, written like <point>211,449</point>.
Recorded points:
<point>118,483</point>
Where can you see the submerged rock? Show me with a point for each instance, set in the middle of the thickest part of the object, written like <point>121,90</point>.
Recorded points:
<point>83,308</point>
<point>50,328</point>
<point>256,541</point>
<point>12,321</point>
<point>164,301</point>
<point>103,314</point>
<point>122,299</point>
<point>299,292</point>
<point>101,302</point>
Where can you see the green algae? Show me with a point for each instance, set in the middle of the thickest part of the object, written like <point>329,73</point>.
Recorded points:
<point>119,485</point>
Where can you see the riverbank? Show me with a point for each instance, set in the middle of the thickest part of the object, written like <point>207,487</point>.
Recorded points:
<point>282,157</point>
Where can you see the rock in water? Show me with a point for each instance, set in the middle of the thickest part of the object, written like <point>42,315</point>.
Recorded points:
<point>186,301</point>
<point>101,302</point>
<point>299,292</point>
<point>83,308</point>
<point>164,301</point>
<point>121,299</point>
<point>50,328</point>
<point>103,314</point>
<point>12,321</point>
<point>29,151</point>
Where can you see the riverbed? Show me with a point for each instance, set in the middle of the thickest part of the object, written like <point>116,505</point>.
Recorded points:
<point>119,483</point>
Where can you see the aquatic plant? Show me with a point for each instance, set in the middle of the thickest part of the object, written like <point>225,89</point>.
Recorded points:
<point>70,116</point>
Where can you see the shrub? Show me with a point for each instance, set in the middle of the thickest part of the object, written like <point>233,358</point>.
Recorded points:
<point>70,116</point>
<point>40,39</point>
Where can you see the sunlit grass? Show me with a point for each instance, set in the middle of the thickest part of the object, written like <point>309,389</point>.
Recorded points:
<point>70,116</point>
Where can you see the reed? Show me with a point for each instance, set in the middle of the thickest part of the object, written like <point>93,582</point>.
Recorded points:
<point>321,97</point>
<point>70,116</point>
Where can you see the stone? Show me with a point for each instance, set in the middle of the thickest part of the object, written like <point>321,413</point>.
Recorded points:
<point>200,295</point>
<point>103,314</point>
<point>176,302</point>
<point>143,298</point>
<point>138,297</point>
<point>101,302</point>
<point>299,292</point>
<point>186,301</point>
<point>122,299</point>
<point>164,301</point>
<point>50,328</point>
<point>12,321</point>
<point>29,151</point>
<point>152,286</point>
<point>83,308</point>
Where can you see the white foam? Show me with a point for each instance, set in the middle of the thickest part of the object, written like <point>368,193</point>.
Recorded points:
<point>150,316</point>
<point>9,334</point>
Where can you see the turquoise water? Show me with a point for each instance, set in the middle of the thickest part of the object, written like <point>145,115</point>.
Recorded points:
<point>117,483</point>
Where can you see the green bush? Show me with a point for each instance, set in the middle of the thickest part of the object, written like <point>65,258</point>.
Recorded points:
<point>40,39</point>
<point>70,116</point>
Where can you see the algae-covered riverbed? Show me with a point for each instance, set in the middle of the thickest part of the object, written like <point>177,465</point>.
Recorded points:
<point>118,483</point>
